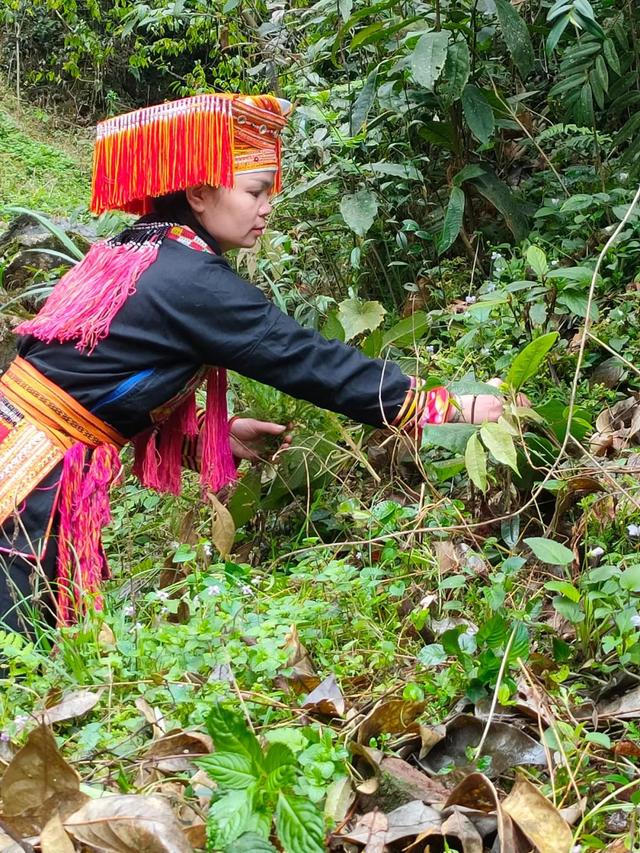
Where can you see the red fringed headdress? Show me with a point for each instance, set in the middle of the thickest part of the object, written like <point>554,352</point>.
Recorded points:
<point>205,139</point>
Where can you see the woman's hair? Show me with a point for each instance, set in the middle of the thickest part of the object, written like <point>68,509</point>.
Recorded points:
<point>173,207</point>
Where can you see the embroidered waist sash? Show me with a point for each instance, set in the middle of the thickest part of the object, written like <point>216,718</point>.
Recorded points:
<point>40,426</point>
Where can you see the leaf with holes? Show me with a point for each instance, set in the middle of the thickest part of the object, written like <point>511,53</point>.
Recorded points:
<point>359,211</point>
<point>428,58</point>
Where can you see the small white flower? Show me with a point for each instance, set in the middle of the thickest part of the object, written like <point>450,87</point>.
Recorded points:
<point>4,737</point>
<point>491,287</point>
<point>129,610</point>
<point>554,263</point>
<point>246,590</point>
<point>162,594</point>
<point>596,552</point>
<point>470,300</point>
<point>633,530</point>
<point>164,611</point>
<point>554,202</point>
<point>635,620</point>
<point>623,176</point>
<point>213,590</point>
<point>138,626</point>
<point>174,545</point>
<point>430,348</point>
<point>207,549</point>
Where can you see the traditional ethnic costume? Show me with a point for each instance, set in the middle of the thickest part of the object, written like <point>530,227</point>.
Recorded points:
<point>126,336</point>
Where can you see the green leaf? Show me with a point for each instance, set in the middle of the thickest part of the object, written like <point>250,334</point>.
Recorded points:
<point>432,655</point>
<point>229,769</point>
<point>455,73</point>
<point>537,260</point>
<point>250,842</point>
<point>467,173</point>
<point>363,103</point>
<point>498,440</point>
<point>278,755</point>
<point>600,738</point>
<point>279,778</point>
<point>356,316</point>
<point>408,331</point>
<point>450,436</point>
<point>549,551</point>
<point>57,232</point>
<point>610,54</point>
<point>300,825</point>
<point>630,578</point>
<point>230,816</point>
<point>453,220</point>
<point>519,644</point>
<point>229,733</point>
<point>476,462</point>
<point>396,170</point>
<point>345,7</point>
<point>428,58</point>
<point>516,37</point>
<point>527,363</point>
<point>577,302</point>
<point>359,211</point>
<point>503,199</point>
<point>478,113</point>
<point>564,588</point>
<point>470,386</point>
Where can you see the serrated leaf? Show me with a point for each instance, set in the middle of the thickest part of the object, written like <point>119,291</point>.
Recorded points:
<point>475,460</point>
<point>356,316</point>
<point>500,444</point>
<point>230,816</point>
<point>300,825</point>
<point>453,220</point>
<point>229,733</point>
<point>250,842</point>
<point>516,37</point>
<point>428,58</point>
<point>229,769</point>
<point>549,551</point>
<point>455,74</point>
<point>478,114</point>
<point>527,363</point>
<point>537,260</point>
<point>359,211</point>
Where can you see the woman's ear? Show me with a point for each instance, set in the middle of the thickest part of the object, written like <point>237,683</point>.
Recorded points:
<point>196,197</point>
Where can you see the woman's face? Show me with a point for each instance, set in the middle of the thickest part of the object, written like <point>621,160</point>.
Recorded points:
<point>235,217</point>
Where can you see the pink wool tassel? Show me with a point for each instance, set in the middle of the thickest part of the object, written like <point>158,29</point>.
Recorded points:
<point>217,468</point>
<point>87,298</point>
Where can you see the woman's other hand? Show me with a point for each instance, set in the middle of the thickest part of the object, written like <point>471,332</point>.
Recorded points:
<point>252,439</point>
<point>476,409</point>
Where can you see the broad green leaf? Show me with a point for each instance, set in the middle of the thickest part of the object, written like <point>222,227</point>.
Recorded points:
<point>503,199</point>
<point>549,551</point>
<point>519,644</point>
<point>455,73</point>
<point>564,588</point>
<point>432,655</point>
<point>359,211</point>
<point>527,363</point>
<point>453,220</point>
<point>57,232</point>
<point>516,37</point>
<point>428,58</point>
<point>281,777</point>
<point>577,301</point>
<point>476,462</point>
<point>250,842</point>
<point>470,386</point>
<point>395,170</point>
<point>229,817</point>
<point>556,32</point>
<point>408,331</point>
<point>478,114</point>
<point>500,443</point>
<point>610,54</point>
<point>363,103</point>
<point>630,578</point>
<point>356,316</point>
<point>300,825</point>
<point>289,736</point>
<point>537,260</point>
<point>332,328</point>
<point>230,733</point>
<point>229,769</point>
<point>278,755</point>
<point>450,436</point>
<point>467,173</point>
<point>600,738</point>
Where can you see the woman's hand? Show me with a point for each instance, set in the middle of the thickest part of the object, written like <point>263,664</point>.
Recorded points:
<point>476,409</point>
<point>250,438</point>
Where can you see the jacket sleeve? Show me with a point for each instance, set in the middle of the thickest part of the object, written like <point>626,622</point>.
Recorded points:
<point>232,324</point>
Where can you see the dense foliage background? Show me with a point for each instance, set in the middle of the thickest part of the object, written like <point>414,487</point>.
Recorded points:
<point>458,197</point>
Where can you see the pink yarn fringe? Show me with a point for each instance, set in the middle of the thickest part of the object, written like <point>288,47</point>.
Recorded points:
<point>88,296</point>
<point>158,451</point>
<point>84,511</point>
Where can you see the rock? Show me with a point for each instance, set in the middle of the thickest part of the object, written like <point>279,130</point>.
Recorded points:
<point>24,235</point>
<point>7,343</point>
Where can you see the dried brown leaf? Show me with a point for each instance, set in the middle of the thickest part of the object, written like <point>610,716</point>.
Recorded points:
<point>448,557</point>
<point>54,838</point>
<point>73,705</point>
<point>458,825</point>
<point>303,676</point>
<point>409,782</point>
<point>538,818</point>
<point>326,699</point>
<point>106,637</point>
<point>152,715</point>
<point>37,772</point>
<point>390,716</point>
<point>625,707</point>
<point>340,798</point>
<point>376,824</point>
<point>10,845</point>
<point>172,752</point>
<point>404,822</point>
<point>128,824</point>
<point>197,834</point>
<point>476,792</point>
<point>223,529</point>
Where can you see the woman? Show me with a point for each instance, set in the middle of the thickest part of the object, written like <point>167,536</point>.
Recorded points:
<point>127,335</point>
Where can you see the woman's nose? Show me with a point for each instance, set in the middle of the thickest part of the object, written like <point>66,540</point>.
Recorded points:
<point>266,209</point>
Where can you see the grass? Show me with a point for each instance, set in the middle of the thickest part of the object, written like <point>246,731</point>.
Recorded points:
<point>42,166</point>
